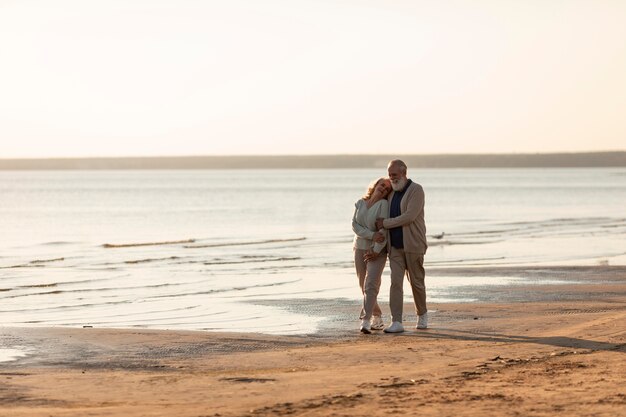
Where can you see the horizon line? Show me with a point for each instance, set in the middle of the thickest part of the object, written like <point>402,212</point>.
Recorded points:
<point>341,161</point>
<point>32,158</point>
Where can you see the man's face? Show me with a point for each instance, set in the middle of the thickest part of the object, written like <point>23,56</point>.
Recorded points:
<point>397,176</point>
<point>395,172</point>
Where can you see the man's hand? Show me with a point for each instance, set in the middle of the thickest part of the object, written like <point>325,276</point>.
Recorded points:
<point>378,237</point>
<point>370,256</point>
<point>379,223</point>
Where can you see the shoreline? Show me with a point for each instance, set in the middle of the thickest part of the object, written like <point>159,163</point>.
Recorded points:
<point>556,350</point>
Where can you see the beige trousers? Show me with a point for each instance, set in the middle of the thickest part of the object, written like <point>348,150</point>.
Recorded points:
<point>370,275</point>
<point>412,265</point>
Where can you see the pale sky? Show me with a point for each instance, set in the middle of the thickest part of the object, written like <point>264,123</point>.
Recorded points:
<point>164,77</point>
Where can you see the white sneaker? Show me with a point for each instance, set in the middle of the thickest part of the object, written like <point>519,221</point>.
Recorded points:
<point>396,327</point>
<point>422,321</point>
<point>377,323</point>
<point>366,327</point>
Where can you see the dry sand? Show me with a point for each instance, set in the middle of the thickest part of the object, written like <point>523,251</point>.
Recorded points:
<point>562,353</point>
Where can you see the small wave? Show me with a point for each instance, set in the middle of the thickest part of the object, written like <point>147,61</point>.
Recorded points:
<point>577,220</point>
<point>255,242</point>
<point>42,261</point>
<point>28,295</point>
<point>562,221</point>
<point>40,285</point>
<point>295,258</point>
<point>128,245</point>
<point>454,242</point>
<point>22,266</point>
<point>572,226</point>
<point>485,232</point>
<point>66,308</point>
<point>275,269</point>
<point>245,259</point>
<point>613,225</point>
<point>139,261</point>
<point>37,263</point>
<point>96,290</point>
<point>63,284</point>
<point>224,290</point>
<point>330,241</point>
<point>92,280</point>
<point>342,264</point>
<point>456,261</point>
<point>166,310</point>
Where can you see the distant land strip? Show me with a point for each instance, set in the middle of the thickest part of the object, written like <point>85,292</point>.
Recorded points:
<point>539,160</point>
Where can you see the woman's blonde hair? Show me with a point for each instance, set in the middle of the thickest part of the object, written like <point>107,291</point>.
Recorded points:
<point>372,186</point>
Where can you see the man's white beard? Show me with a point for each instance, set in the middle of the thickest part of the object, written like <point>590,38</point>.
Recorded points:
<point>399,184</point>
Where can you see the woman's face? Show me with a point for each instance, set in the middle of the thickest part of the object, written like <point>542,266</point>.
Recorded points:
<point>383,187</point>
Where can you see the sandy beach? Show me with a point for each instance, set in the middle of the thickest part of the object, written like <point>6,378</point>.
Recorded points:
<point>537,350</point>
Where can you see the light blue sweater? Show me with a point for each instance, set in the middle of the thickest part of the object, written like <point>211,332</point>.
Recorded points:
<point>364,224</point>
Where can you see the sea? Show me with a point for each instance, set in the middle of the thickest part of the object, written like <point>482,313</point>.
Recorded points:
<point>236,250</point>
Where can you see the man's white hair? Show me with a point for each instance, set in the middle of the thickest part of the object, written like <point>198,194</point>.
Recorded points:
<point>398,162</point>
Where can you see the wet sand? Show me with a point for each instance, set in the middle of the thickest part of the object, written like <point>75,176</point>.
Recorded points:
<point>523,350</point>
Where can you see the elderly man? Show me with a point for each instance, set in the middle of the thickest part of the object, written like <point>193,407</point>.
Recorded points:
<point>406,244</point>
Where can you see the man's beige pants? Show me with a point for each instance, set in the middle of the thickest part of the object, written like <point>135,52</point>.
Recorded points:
<point>412,265</point>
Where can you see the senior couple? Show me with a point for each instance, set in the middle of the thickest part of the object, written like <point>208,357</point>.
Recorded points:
<point>389,222</point>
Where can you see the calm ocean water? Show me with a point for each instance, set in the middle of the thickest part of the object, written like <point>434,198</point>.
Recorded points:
<point>219,250</point>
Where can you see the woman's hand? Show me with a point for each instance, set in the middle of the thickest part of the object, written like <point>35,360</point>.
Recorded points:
<point>378,237</point>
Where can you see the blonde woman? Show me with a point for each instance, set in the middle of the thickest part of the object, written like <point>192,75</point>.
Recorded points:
<point>370,250</point>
